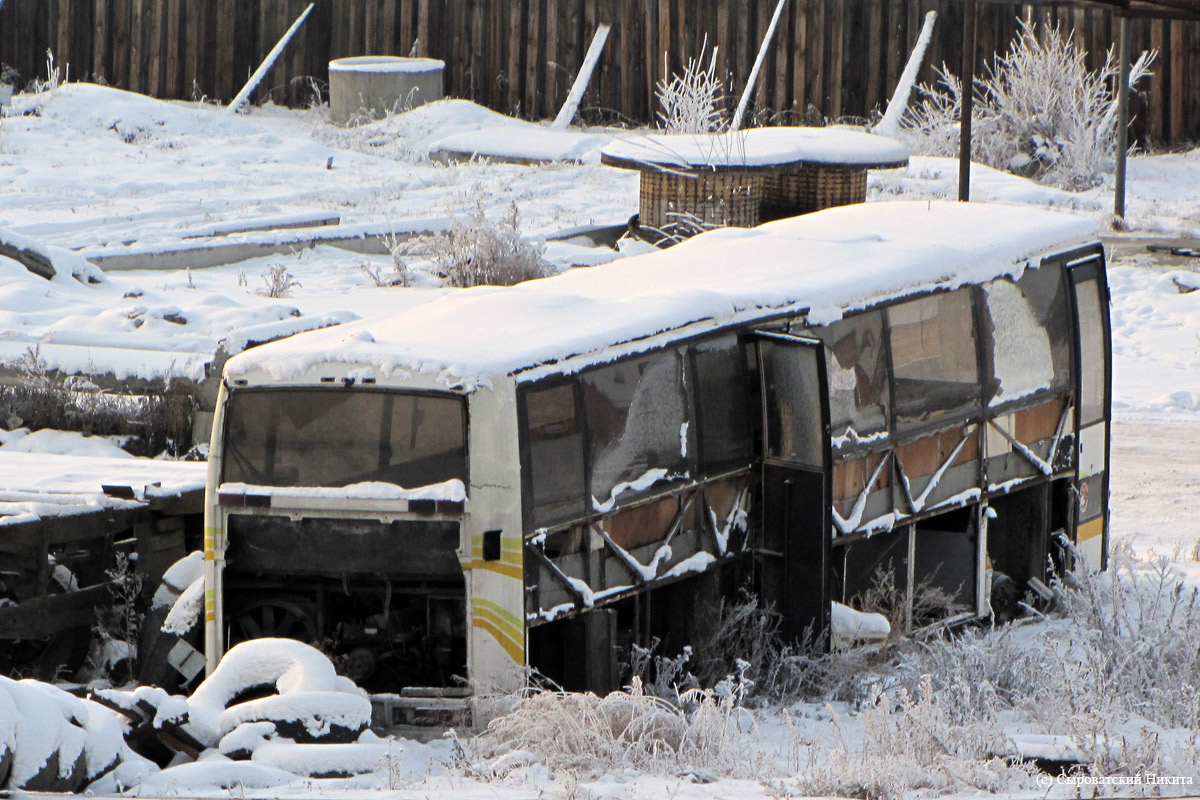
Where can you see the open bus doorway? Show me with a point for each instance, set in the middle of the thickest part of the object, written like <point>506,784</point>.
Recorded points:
<point>796,518</point>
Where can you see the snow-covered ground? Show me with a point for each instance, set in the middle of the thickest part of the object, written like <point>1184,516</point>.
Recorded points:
<point>92,168</point>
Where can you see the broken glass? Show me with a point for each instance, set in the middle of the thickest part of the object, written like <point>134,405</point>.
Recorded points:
<point>933,358</point>
<point>635,410</point>
<point>857,372</point>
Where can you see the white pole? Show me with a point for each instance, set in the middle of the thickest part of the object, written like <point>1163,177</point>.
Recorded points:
<point>567,112</point>
<point>758,62</point>
<point>267,63</point>
<point>890,124</point>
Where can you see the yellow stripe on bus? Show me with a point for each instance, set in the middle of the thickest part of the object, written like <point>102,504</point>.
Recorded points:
<point>502,613</point>
<point>1090,530</point>
<point>499,567</point>
<point>210,544</point>
<point>515,651</point>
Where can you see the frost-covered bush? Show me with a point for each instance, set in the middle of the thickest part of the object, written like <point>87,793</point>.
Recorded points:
<point>478,251</point>
<point>1118,674</point>
<point>691,102</point>
<point>911,742</point>
<point>278,282</point>
<point>590,735</point>
<point>1037,110</point>
<point>45,398</point>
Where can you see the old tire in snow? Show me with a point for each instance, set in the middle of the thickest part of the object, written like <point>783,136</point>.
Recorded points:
<point>174,616</point>
<point>284,682</point>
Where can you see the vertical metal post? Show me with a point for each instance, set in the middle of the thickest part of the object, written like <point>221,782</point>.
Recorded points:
<point>1122,121</point>
<point>968,102</point>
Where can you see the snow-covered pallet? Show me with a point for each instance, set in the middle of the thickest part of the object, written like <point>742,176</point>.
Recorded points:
<point>65,523</point>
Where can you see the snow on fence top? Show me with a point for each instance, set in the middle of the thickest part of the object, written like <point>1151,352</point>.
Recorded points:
<point>759,147</point>
<point>822,264</point>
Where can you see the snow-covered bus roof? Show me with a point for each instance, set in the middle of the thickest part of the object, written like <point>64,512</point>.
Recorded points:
<point>823,264</point>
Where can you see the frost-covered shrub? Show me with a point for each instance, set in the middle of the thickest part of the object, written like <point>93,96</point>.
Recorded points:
<point>691,102</point>
<point>911,742</point>
<point>590,735</point>
<point>278,282</point>
<point>1037,110</point>
<point>47,399</point>
<point>478,251</point>
<point>1118,674</point>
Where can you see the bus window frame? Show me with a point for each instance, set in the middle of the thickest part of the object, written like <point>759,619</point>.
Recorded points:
<point>684,349</point>
<point>232,392</point>
<point>525,451</point>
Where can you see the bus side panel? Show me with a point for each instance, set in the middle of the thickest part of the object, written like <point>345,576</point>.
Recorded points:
<point>492,550</point>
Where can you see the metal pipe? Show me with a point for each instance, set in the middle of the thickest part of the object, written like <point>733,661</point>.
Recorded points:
<point>1122,121</point>
<point>968,102</point>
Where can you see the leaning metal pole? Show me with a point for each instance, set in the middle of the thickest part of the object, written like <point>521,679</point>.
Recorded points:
<point>1122,121</point>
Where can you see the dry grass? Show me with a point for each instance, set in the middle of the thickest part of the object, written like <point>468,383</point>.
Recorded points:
<point>151,423</point>
<point>589,735</point>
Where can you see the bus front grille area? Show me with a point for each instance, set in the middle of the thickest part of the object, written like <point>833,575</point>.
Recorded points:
<point>386,600</point>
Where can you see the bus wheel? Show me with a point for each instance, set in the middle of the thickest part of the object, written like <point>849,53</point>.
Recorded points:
<point>274,617</point>
<point>1005,598</point>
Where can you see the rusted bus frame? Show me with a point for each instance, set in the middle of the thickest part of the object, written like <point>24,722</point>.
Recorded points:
<point>985,418</point>
<point>781,322</point>
<point>1075,265</point>
<point>705,527</point>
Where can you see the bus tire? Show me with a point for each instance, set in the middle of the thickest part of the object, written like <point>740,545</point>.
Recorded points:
<point>1006,597</point>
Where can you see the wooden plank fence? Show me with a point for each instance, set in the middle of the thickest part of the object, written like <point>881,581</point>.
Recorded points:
<point>831,58</point>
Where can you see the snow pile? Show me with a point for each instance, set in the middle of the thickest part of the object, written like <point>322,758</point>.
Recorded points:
<point>51,741</point>
<point>62,443</point>
<point>849,626</point>
<point>522,141</point>
<point>452,489</point>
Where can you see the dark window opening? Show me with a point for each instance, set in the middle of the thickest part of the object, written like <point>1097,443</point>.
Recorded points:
<point>722,405</point>
<point>333,437</point>
<point>554,473</point>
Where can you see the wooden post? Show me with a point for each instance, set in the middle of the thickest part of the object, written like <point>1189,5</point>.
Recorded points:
<point>1122,120</point>
<point>758,62</point>
<point>567,112</point>
<point>267,63</point>
<point>968,102</point>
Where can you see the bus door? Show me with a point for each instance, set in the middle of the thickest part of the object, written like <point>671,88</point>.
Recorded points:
<point>796,503</point>
<point>1093,379</point>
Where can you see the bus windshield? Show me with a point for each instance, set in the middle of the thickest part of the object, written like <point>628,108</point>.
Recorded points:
<point>338,437</point>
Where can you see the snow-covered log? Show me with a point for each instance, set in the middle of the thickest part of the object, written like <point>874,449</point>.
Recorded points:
<point>47,261</point>
<point>267,63</point>
<point>567,112</point>
<point>890,124</point>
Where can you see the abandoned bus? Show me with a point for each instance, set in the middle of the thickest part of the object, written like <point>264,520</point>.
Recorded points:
<point>874,402</point>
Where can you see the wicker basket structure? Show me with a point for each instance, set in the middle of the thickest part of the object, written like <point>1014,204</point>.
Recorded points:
<point>788,192</point>
<point>677,200</point>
